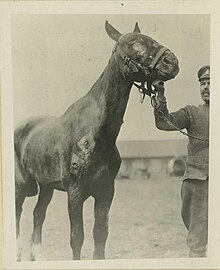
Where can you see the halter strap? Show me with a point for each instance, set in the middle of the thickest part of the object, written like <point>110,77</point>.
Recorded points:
<point>126,59</point>
<point>158,55</point>
<point>135,66</point>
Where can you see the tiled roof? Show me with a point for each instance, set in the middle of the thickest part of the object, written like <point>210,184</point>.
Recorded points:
<point>152,148</point>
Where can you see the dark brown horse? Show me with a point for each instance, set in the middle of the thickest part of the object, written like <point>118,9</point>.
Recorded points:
<point>76,152</point>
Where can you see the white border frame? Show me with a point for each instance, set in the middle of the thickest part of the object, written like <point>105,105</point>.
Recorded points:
<point>108,7</point>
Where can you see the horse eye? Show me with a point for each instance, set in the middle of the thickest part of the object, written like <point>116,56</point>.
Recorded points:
<point>138,57</point>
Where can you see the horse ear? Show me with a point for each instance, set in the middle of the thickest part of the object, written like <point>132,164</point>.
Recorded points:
<point>136,28</point>
<point>112,32</point>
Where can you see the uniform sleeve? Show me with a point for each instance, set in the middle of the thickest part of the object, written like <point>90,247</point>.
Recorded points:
<point>180,118</point>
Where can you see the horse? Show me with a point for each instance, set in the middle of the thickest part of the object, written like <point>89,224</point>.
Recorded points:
<point>76,152</point>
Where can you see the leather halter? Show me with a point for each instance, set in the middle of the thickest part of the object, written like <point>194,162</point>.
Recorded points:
<point>135,67</point>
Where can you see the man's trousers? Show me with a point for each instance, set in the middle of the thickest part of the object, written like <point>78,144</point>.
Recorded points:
<point>194,212</point>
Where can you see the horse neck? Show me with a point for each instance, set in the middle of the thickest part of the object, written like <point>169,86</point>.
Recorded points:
<point>112,92</point>
<point>104,104</point>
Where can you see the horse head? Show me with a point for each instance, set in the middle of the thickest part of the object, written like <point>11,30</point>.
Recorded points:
<point>141,58</point>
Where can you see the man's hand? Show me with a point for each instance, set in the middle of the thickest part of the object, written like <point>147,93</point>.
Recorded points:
<point>159,87</point>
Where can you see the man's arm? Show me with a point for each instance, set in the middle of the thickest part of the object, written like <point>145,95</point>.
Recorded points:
<point>180,118</point>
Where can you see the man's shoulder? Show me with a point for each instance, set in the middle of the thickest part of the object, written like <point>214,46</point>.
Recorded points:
<point>197,109</point>
<point>190,108</point>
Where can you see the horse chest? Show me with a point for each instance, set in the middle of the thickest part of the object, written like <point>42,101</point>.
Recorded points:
<point>89,157</point>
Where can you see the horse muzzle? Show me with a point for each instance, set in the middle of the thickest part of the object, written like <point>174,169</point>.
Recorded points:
<point>165,76</point>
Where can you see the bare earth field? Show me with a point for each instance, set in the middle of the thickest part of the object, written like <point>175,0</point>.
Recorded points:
<point>145,222</point>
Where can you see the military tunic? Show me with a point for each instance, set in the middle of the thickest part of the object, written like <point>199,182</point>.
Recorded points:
<point>196,121</point>
<point>194,192</point>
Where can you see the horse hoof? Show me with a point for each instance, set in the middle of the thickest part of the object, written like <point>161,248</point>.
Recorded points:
<point>98,256</point>
<point>32,257</point>
<point>18,257</point>
<point>35,252</point>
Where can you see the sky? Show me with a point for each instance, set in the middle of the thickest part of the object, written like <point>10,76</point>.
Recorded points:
<point>57,58</point>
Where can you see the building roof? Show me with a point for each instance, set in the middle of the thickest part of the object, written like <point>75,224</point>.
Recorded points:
<point>152,148</point>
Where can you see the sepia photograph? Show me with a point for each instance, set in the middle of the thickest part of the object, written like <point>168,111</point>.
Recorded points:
<point>109,136</point>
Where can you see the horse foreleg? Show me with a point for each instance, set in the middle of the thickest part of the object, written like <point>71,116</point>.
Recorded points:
<point>75,209</point>
<point>44,199</point>
<point>100,230</point>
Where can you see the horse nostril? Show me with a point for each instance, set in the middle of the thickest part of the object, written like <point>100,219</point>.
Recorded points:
<point>166,60</point>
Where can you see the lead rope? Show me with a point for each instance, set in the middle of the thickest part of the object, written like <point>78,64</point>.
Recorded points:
<point>161,115</point>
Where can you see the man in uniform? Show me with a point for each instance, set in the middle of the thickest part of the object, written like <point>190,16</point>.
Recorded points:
<point>194,193</point>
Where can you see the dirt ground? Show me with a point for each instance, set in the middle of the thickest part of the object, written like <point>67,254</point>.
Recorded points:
<point>145,222</point>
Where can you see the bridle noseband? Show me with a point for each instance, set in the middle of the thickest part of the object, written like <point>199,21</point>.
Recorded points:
<point>148,71</point>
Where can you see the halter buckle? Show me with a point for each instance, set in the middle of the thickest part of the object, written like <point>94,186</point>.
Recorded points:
<point>126,60</point>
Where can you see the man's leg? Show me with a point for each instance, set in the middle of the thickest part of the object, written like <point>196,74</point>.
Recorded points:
<point>195,215</point>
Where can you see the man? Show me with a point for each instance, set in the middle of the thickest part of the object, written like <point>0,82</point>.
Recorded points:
<point>194,193</point>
